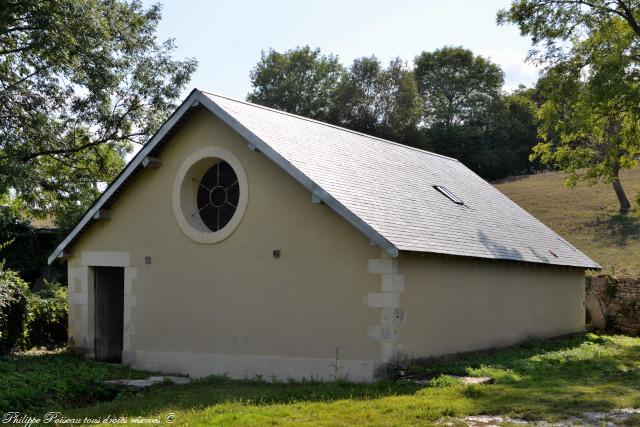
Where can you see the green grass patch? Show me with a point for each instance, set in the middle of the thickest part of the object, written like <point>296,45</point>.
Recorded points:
<point>35,382</point>
<point>544,380</point>
<point>586,216</point>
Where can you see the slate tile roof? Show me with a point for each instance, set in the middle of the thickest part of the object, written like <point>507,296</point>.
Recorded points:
<point>390,187</point>
<point>384,189</point>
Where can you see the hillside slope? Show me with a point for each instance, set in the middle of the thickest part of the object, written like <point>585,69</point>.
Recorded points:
<point>585,216</point>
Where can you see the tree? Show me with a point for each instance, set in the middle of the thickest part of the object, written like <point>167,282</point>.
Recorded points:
<point>299,81</point>
<point>355,99</point>
<point>590,118</point>
<point>377,101</point>
<point>553,23</point>
<point>588,137</point>
<point>504,139</point>
<point>451,103</point>
<point>516,127</point>
<point>80,83</point>
<point>456,86</point>
<point>460,91</point>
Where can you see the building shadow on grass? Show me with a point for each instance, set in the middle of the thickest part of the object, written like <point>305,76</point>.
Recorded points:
<point>569,376</point>
<point>218,390</point>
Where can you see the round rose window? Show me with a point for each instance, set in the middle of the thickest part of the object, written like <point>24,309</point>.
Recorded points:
<point>210,194</point>
<point>218,195</point>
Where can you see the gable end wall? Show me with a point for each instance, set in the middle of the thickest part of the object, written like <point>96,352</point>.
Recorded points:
<point>232,307</point>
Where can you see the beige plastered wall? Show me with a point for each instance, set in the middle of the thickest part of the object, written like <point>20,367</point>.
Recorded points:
<point>453,304</point>
<point>231,307</point>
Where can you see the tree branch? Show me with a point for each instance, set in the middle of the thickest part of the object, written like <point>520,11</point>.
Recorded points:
<point>79,148</point>
<point>628,16</point>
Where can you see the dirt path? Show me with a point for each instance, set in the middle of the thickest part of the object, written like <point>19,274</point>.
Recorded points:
<point>614,418</point>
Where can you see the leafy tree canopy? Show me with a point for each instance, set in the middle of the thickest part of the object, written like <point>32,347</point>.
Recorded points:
<point>451,103</point>
<point>508,133</point>
<point>456,86</point>
<point>590,116</point>
<point>556,25</point>
<point>299,81</point>
<point>377,101</point>
<point>80,82</point>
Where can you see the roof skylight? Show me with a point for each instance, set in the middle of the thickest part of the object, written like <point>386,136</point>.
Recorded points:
<point>455,199</point>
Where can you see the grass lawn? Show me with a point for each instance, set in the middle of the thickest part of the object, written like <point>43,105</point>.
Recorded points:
<point>39,381</point>
<point>547,380</point>
<point>585,216</point>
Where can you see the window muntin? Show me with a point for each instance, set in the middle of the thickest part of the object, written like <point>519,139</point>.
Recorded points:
<point>218,195</point>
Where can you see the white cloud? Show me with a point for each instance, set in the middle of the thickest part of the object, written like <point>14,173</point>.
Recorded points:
<point>513,62</point>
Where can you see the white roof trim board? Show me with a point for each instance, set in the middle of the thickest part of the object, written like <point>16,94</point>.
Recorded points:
<point>384,189</point>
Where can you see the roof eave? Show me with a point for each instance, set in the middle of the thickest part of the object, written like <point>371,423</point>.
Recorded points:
<point>193,97</point>
<point>585,266</point>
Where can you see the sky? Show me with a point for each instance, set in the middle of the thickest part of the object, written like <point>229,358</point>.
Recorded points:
<point>226,37</point>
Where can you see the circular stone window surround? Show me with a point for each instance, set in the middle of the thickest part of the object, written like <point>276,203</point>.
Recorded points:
<point>185,189</point>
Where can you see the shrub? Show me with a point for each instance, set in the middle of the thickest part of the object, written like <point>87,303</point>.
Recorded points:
<point>13,306</point>
<point>46,320</point>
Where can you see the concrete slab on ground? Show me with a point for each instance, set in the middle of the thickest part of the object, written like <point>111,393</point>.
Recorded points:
<point>141,384</point>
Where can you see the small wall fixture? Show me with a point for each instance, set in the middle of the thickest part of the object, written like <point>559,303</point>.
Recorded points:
<point>103,214</point>
<point>147,260</point>
<point>151,162</point>
<point>276,253</point>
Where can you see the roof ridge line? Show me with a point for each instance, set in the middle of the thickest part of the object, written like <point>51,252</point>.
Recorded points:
<point>330,125</point>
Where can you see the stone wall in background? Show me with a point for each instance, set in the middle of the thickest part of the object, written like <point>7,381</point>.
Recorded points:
<point>614,303</point>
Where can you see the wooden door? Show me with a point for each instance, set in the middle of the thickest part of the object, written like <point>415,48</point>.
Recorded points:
<point>109,313</point>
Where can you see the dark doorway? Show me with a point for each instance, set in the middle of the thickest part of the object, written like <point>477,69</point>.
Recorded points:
<point>109,309</point>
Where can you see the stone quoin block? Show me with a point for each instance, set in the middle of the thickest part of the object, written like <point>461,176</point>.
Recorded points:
<point>382,300</point>
<point>383,266</point>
